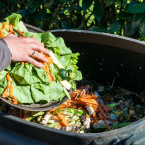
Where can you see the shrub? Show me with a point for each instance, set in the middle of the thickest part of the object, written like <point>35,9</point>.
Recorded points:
<point>123,17</point>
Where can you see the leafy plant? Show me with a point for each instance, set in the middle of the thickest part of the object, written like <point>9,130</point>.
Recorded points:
<point>122,17</point>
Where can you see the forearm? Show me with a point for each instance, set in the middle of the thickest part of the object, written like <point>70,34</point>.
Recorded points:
<point>5,56</point>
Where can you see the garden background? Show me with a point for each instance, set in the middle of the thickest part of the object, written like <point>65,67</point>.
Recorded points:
<point>122,17</point>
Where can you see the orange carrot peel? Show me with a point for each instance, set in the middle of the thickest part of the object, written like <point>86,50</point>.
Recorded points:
<point>10,89</point>
<point>63,120</point>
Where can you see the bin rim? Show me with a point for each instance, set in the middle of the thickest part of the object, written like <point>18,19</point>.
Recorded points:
<point>59,131</point>
<point>98,33</point>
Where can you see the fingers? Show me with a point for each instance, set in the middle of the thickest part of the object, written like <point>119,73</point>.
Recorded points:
<point>32,40</point>
<point>38,56</point>
<point>34,62</point>
<point>36,45</point>
<point>22,49</point>
<point>12,35</point>
<point>32,43</point>
<point>41,49</point>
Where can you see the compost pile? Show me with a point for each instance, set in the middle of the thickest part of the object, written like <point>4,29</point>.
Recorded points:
<point>89,111</point>
<point>89,108</point>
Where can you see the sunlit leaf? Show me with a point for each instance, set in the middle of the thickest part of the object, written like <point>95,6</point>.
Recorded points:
<point>86,4</point>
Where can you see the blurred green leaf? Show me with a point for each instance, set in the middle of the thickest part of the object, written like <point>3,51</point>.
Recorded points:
<point>142,29</point>
<point>138,17</point>
<point>133,28</point>
<point>66,25</point>
<point>115,125</point>
<point>64,0</point>
<point>86,4</point>
<point>2,4</point>
<point>130,28</point>
<point>136,8</point>
<point>98,11</point>
<point>124,124</point>
<point>98,29</point>
<point>109,2</point>
<point>49,3</point>
<point>35,4</point>
<point>31,11</point>
<point>114,27</point>
<point>124,15</point>
<point>65,9</point>
<point>124,2</point>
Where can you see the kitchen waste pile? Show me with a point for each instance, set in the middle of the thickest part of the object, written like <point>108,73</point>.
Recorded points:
<point>86,109</point>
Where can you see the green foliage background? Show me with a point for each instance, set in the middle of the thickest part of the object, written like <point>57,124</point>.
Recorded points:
<point>122,17</point>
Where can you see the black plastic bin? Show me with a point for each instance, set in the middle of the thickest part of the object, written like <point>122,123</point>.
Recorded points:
<point>103,58</point>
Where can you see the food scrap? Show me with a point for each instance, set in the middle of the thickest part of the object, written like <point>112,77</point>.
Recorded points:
<point>89,111</point>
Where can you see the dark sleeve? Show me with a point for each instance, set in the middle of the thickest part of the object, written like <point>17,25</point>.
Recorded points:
<point>5,56</point>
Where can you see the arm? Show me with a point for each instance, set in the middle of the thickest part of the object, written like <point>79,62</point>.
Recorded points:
<point>5,56</point>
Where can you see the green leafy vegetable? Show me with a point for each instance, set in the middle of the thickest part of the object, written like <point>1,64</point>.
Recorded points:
<point>31,84</point>
<point>13,19</point>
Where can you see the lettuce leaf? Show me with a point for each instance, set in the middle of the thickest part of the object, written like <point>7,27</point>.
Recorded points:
<point>23,76</point>
<point>53,91</point>
<point>21,27</point>
<point>13,19</point>
<point>34,35</point>
<point>22,94</point>
<point>30,84</point>
<point>3,84</point>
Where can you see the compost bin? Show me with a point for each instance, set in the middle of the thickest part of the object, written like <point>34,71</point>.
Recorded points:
<point>103,58</point>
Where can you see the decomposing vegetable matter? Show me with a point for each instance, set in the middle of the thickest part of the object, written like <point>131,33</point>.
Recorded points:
<point>104,109</point>
<point>23,83</point>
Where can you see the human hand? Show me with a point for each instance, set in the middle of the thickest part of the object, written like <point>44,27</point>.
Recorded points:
<point>23,48</point>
